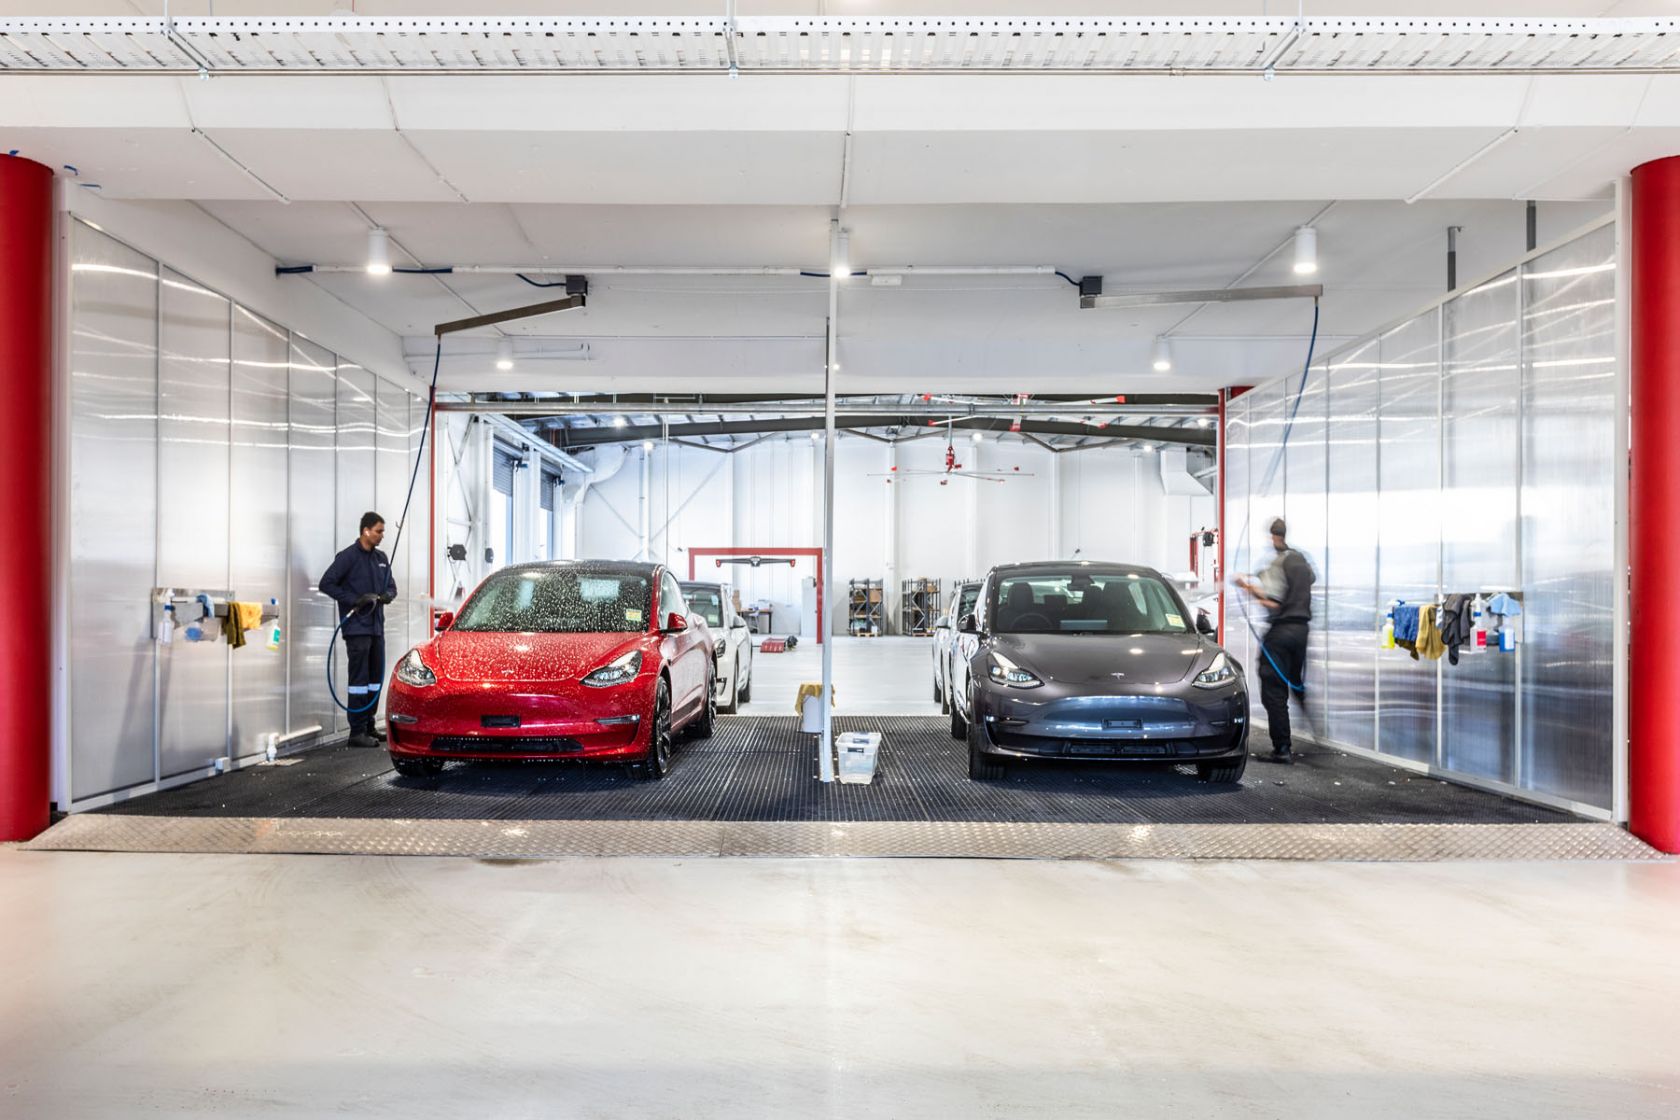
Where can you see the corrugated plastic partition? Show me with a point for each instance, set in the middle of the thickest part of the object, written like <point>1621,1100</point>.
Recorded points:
<point>1470,448</point>
<point>209,448</point>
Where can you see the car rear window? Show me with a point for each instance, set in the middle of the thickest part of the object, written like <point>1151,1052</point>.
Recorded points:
<point>558,601</point>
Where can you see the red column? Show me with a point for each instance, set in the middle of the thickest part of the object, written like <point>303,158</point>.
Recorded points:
<point>1654,507</point>
<point>26,285</point>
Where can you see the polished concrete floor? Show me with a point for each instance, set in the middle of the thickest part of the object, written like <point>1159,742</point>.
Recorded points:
<point>139,985</point>
<point>888,676</point>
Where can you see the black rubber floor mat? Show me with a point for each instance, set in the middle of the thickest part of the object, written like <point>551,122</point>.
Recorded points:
<point>758,769</point>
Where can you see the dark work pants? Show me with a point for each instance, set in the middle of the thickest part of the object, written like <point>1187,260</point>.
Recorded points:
<point>1287,644</point>
<point>367,675</point>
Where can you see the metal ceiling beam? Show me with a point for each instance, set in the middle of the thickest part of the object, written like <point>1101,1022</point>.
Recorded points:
<point>704,402</point>
<point>592,437</point>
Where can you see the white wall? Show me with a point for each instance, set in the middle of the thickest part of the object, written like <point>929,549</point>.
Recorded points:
<point>888,526</point>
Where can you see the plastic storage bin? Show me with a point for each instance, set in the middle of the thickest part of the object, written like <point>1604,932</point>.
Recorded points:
<point>857,751</point>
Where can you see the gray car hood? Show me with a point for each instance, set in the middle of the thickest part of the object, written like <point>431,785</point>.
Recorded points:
<point>1121,661</point>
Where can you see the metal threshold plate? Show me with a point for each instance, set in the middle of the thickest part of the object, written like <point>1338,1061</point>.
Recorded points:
<point>552,839</point>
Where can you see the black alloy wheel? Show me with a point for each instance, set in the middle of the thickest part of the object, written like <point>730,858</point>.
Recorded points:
<point>743,689</point>
<point>702,726</point>
<point>657,763</point>
<point>959,725</point>
<point>417,767</point>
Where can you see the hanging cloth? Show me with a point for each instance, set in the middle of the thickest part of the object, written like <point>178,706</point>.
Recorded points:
<point>1429,644</point>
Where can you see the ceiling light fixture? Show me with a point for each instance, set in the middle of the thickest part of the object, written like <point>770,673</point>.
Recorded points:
<point>379,253</point>
<point>504,354</point>
<point>647,445</point>
<point>1306,251</point>
<point>1162,361</point>
<point>840,266</point>
<point>977,437</point>
<point>815,436</point>
<point>619,422</point>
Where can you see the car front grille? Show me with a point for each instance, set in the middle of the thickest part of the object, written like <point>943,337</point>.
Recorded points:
<point>505,744</point>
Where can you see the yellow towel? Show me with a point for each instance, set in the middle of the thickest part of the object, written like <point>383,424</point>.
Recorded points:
<point>250,615</point>
<point>1429,643</point>
<point>813,689</point>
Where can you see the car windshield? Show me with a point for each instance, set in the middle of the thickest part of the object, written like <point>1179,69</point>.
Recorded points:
<point>558,601</point>
<point>1085,602</point>
<point>705,602</point>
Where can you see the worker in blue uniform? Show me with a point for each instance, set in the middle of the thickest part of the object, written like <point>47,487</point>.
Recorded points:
<point>360,582</point>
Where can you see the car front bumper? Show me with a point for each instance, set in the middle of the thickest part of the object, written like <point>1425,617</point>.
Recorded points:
<point>546,720</point>
<point>1015,723</point>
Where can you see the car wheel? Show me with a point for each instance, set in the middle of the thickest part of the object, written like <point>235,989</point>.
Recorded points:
<point>417,767</point>
<point>657,763</point>
<point>743,689</point>
<point>982,767</point>
<point>959,725</point>
<point>938,692</point>
<point>702,726</point>
<point>1222,773</point>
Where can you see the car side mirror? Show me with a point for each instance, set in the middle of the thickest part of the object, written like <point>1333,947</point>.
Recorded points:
<point>675,623</point>
<point>444,621</point>
<point>1204,624</point>
<point>969,624</point>
<point>942,624</point>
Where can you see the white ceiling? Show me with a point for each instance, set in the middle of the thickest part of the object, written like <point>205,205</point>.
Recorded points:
<point>1151,181</point>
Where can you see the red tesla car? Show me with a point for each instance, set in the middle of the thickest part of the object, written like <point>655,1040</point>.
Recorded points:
<point>572,659</point>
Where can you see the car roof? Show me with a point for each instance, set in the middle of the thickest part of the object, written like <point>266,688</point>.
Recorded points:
<point>1093,567</point>
<point>604,567</point>
<point>700,583</point>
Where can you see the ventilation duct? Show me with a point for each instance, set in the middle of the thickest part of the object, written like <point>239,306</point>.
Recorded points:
<point>1175,473</point>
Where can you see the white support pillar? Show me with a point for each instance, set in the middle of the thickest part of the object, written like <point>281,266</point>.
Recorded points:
<point>1055,505</point>
<point>891,608</point>
<point>828,598</point>
<point>972,499</point>
<point>643,502</point>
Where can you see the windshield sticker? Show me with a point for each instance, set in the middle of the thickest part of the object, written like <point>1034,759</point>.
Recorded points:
<point>1174,620</point>
<point>632,616</point>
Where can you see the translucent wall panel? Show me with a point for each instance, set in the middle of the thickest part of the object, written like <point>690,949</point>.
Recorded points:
<point>1409,547</point>
<point>1267,479</point>
<point>113,514</point>
<point>192,515</point>
<point>257,540</point>
<point>1306,511</point>
<point>390,483</point>
<point>356,458</point>
<point>314,540</point>
<point>1349,699</point>
<point>1478,510</point>
<point>1569,477</point>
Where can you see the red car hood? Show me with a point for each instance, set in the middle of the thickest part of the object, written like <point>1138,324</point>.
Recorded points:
<point>480,656</point>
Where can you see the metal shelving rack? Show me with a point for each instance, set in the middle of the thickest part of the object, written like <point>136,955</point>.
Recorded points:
<point>919,606</point>
<point>863,607</point>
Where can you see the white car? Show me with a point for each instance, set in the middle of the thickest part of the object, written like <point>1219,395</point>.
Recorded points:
<point>945,639</point>
<point>733,648</point>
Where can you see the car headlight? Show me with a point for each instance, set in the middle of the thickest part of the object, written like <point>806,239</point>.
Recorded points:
<point>412,671</point>
<point>617,671</point>
<point>719,646</point>
<point>1219,673</point>
<point>1006,672</point>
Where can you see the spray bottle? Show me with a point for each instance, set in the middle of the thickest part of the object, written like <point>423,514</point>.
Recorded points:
<point>1388,629</point>
<point>274,631</point>
<point>166,628</point>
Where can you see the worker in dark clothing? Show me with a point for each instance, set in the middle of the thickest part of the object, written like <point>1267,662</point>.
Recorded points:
<point>1284,588</point>
<point>359,581</point>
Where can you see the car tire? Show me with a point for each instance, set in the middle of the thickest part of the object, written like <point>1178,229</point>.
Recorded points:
<point>702,725</point>
<point>734,704</point>
<point>959,725</point>
<point>1222,773</point>
<point>982,767</point>
<point>657,762</point>
<point>743,689</point>
<point>417,767</point>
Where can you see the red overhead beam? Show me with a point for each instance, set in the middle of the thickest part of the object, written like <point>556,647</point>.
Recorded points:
<point>770,554</point>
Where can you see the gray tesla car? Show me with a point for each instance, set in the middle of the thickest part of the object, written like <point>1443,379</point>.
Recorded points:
<point>1086,660</point>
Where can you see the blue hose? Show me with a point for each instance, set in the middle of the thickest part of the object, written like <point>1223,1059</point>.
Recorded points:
<point>1266,484</point>
<point>414,477</point>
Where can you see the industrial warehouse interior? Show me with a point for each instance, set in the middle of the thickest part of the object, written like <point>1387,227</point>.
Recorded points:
<point>839,557</point>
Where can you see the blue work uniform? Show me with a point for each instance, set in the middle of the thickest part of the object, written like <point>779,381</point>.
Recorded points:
<point>356,572</point>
